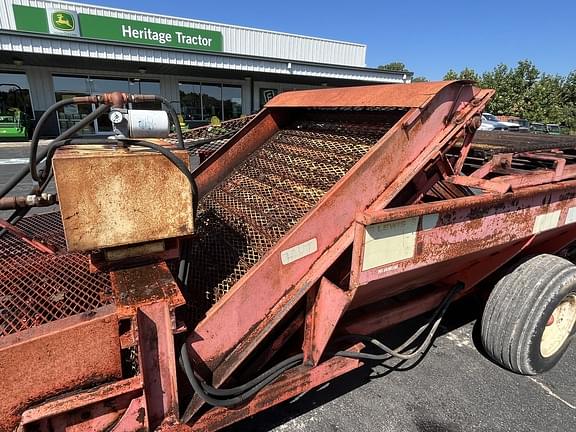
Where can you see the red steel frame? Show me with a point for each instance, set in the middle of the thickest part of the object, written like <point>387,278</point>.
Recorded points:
<point>437,244</point>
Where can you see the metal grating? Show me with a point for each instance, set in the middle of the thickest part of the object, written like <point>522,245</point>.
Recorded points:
<point>196,139</point>
<point>241,219</point>
<point>36,288</point>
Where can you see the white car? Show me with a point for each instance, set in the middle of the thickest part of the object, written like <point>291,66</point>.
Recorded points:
<point>490,123</point>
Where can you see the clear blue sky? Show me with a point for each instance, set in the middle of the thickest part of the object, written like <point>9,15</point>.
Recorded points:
<point>430,37</point>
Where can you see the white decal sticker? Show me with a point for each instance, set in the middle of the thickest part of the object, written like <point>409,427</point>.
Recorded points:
<point>546,222</point>
<point>299,251</point>
<point>571,216</point>
<point>429,221</point>
<point>388,242</point>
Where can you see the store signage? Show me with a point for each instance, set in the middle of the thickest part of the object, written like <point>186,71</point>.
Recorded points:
<point>63,22</point>
<point>70,23</point>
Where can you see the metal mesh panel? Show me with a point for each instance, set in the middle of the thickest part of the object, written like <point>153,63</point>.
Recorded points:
<point>241,219</point>
<point>36,288</point>
<point>194,139</point>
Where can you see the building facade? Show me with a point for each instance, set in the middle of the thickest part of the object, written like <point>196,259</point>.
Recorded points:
<point>53,50</point>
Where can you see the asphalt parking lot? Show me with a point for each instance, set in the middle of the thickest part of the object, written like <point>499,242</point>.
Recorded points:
<point>454,388</point>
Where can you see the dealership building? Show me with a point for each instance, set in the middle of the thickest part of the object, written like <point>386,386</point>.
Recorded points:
<point>54,50</point>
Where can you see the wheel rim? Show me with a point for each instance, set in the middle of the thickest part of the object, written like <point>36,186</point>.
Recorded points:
<point>559,326</point>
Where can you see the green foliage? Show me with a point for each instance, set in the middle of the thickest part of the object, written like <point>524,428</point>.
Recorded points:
<point>451,75</point>
<point>394,66</point>
<point>525,92</point>
<point>419,79</point>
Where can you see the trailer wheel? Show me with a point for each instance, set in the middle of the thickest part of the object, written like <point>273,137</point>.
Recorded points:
<point>530,315</point>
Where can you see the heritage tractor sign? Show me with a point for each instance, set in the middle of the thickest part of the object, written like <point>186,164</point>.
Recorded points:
<point>72,24</point>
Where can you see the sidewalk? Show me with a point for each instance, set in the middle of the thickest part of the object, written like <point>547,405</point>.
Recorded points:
<point>17,144</point>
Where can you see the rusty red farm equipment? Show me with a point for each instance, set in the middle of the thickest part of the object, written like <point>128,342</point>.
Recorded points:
<point>330,216</point>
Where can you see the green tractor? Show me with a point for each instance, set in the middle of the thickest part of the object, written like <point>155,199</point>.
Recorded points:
<point>13,121</point>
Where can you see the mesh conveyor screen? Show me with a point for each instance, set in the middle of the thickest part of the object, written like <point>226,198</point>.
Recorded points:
<point>37,288</point>
<point>267,194</point>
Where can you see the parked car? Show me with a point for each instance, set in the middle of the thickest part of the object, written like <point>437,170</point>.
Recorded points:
<point>553,129</point>
<point>523,125</point>
<point>538,128</point>
<point>490,122</point>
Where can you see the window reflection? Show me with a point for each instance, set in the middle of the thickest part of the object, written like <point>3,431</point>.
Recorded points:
<point>200,102</point>
<point>67,86</point>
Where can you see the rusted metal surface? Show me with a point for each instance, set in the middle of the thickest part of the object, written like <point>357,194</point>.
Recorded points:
<point>505,142</point>
<point>441,238</point>
<point>144,196</point>
<point>381,165</point>
<point>389,95</point>
<point>157,362</point>
<point>81,399</point>
<point>60,356</point>
<point>327,307</point>
<point>291,384</point>
<point>125,412</point>
<point>17,232</point>
<point>36,287</point>
<point>139,286</point>
<point>239,221</point>
<point>282,262</point>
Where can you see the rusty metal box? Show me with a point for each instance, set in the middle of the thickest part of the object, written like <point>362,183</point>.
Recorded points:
<point>113,196</point>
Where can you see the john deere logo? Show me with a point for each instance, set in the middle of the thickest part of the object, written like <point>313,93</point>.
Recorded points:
<point>63,21</point>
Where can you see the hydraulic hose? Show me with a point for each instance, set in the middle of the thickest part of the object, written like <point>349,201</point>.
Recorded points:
<point>19,176</point>
<point>239,398</point>
<point>40,125</point>
<point>219,397</point>
<point>102,109</point>
<point>282,366</point>
<point>433,324</point>
<point>175,120</point>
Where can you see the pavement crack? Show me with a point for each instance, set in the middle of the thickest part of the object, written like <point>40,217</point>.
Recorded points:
<point>549,391</point>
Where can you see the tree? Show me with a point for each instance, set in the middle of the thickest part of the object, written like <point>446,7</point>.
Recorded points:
<point>525,92</point>
<point>419,79</point>
<point>394,66</point>
<point>451,75</point>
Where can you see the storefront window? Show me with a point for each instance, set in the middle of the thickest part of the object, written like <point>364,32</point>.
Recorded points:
<point>67,87</point>
<point>232,101</point>
<point>70,86</point>
<point>190,101</point>
<point>139,86</point>
<point>15,95</point>
<point>200,102</point>
<point>212,101</point>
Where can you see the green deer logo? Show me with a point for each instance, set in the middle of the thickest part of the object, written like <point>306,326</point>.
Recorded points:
<point>63,21</point>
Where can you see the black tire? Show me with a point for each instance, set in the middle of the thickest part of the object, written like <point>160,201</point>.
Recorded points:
<point>519,308</point>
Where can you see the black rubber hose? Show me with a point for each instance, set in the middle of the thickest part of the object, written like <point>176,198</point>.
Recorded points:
<point>175,120</point>
<point>38,129</point>
<point>243,392</point>
<point>102,109</point>
<point>197,387</point>
<point>433,324</point>
<point>283,366</point>
<point>19,176</point>
<point>54,145</point>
